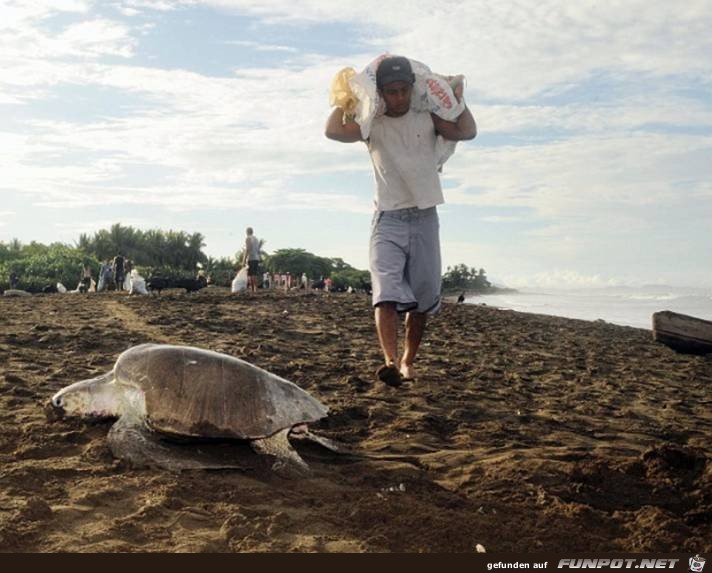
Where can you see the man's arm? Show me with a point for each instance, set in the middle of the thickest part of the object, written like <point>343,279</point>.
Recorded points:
<point>463,128</point>
<point>336,129</point>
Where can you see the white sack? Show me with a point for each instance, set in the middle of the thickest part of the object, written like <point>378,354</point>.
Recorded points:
<point>239,283</point>
<point>137,284</point>
<point>431,93</point>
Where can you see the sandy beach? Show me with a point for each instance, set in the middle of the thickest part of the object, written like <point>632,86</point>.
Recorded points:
<point>525,433</point>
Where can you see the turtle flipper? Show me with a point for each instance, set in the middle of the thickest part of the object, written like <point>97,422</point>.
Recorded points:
<point>324,442</point>
<point>288,463</point>
<point>346,451</point>
<point>133,443</point>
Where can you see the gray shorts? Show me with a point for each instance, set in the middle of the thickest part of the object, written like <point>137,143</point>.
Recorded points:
<point>405,259</point>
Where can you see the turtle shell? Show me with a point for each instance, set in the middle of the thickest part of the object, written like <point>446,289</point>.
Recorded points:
<point>193,392</point>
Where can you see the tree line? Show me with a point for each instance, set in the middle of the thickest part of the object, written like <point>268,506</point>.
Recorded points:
<point>177,254</point>
<point>171,254</point>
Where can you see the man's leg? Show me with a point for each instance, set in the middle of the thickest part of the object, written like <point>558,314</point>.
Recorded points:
<point>424,275</point>
<point>387,328</point>
<point>414,329</point>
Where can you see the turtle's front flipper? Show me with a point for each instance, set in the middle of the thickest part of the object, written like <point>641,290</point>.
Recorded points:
<point>288,463</point>
<point>130,441</point>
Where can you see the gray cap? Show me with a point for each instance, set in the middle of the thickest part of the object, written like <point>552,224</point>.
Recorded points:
<point>394,69</point>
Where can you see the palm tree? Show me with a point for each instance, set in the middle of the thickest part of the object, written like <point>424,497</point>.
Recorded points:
<point>15,246</point>
<point>195,244</point>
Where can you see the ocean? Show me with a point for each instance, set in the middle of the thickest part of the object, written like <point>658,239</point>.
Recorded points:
<point>627,306</point>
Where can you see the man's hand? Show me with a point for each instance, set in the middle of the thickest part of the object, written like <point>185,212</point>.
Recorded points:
<point>457,83</point>
<point>348,132</point>
<point>464,127</point>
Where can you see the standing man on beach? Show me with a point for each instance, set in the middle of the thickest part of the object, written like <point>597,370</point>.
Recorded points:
<point>252,259</point>
<point>404,250</point>
<point>118,269</point>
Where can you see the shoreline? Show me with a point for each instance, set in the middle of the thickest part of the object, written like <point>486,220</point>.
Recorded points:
<point>628,307</point>
<point>451,295</point>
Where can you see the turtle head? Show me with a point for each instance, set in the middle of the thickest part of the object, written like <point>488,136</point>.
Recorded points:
<point>94,398</point>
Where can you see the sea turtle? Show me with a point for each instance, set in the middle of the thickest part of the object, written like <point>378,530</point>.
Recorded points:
<point>182,391</point>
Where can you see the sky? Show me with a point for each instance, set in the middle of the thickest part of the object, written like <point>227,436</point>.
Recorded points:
<point>592,166</point>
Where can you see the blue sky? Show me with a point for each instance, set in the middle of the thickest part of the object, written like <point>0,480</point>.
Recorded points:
<point>592,166</point>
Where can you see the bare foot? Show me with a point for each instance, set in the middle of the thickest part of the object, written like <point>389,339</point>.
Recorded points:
<point>407,372</point>
<point>389,374</point>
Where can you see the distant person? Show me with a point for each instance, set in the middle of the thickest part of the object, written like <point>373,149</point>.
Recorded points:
<point>461,298</point>
<point>118,269</point>
<point>266,281</point>
<point>106,276</point>
<point>128,267</point>
<point>252,259</point>
<point>327,284</point>
<point>13,280</point>
<point>85,283</point>
<point>305,281</point>
<point>404,250</point>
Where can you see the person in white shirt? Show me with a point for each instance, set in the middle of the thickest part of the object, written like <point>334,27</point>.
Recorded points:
<point>404,250</point>
<point>252,259</point>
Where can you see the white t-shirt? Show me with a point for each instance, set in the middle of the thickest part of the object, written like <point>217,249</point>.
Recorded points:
<point>405,162</point>
<point>253,248</point>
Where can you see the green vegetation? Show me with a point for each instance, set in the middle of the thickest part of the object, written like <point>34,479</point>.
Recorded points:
<point>37,265</point>
<point>154,248</point>
<point>461,278</point>
<point>174,254</point>
<point>298,261</point>
<point>221,271</point>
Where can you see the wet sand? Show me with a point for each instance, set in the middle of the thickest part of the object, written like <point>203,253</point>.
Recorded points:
<point>524,432</point>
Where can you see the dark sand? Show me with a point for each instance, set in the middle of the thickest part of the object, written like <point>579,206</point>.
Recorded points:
<point>530,433</point>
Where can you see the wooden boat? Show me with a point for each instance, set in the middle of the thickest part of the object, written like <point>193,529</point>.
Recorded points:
<point>683,333</point>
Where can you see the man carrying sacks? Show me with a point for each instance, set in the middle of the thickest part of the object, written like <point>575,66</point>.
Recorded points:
<point>406,153</point>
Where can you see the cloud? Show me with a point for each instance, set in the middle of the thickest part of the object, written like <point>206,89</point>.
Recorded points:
<point>515,51</point>
<point>501,219</point>
<point>581,174</point>
<point>261,47</point>
<point>93,38</point>
<point>6,215</point>
<point>146,5</point>
<point>19,13</point>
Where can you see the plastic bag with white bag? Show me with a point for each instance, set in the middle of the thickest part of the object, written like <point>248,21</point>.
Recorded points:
<point>239,283</point>
<point>357,94</point>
